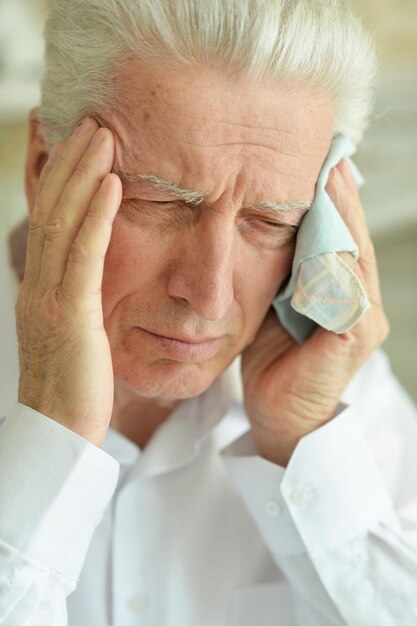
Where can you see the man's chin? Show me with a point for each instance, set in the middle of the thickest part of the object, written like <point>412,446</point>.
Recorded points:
<point>169,381</point>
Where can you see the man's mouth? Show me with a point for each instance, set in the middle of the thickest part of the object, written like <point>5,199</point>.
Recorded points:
<point>183,348</point>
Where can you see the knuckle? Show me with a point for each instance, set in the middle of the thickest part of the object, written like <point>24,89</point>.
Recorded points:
<point>36,221</point>
<point>78,252</point>
<point>92,215</point>
<point>60,160</point>
<point>55,227</point>
<point>98,218</point>
<point>81,172</point>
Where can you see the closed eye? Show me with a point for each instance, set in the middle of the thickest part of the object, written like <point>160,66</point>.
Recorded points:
<point>278,225</point>
<point>168,204</point>
<point>175,204</point>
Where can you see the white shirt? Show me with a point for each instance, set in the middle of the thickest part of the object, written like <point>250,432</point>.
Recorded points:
<point>199,530</point>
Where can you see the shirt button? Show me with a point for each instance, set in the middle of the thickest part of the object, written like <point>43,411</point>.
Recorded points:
<point>138,603</point>
<point>273,508</point>
<point>302,496</point>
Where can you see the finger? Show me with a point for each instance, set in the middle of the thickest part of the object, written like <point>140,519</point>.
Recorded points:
<point>84,272</point>
<point>67,217</point>
<point>55,150</point>
<point>344,193</point>
<point>56,172</point>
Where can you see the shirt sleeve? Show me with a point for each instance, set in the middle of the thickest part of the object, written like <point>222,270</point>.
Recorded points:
<point>54,489</point>
<point>341,519</point>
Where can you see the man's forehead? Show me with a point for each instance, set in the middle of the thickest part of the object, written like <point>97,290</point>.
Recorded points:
<point>228,105</point>
<point>204,136</point>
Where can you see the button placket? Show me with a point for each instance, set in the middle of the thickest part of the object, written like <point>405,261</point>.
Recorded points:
<point>129,588</point>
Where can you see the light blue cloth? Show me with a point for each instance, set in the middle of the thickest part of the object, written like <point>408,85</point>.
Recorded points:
<point>329,292</point>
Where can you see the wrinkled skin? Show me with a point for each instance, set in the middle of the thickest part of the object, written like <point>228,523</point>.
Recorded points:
<point>174,269</point>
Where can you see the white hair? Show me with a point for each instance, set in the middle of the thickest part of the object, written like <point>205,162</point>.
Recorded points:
<point>317,44</point>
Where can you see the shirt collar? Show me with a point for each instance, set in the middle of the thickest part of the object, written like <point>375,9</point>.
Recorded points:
<point>177,440</point>
<point>120,447</point>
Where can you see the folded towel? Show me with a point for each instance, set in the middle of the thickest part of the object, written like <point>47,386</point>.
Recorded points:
<point>322,288</point>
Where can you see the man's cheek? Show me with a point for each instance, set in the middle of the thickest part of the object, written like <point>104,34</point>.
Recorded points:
<point>285,269</point>
<point>278,277</point>
<point>275,278</point>
<point>283,283</point>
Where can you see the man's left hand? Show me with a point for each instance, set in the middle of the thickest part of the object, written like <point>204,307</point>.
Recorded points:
<point>292,389</point>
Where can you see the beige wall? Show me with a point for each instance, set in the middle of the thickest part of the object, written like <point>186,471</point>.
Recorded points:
<point>394,25</point>
<point>12,156</point>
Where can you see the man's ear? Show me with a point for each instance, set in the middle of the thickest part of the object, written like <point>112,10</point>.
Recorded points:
<point>36,157</point>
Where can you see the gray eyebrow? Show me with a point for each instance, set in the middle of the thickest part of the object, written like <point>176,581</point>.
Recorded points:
<point>188,196</point>
<point>290,205</point>
<point>196,197</point>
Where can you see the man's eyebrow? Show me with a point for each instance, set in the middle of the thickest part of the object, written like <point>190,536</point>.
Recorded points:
<point>186,195</point>
<point>289,205</point>
<point>196,197</point>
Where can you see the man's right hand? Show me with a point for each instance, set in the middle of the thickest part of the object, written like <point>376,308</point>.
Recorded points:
<point>66,369</point>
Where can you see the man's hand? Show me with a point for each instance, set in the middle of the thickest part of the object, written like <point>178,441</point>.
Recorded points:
<point>290,389</point>
<point>66,369</point>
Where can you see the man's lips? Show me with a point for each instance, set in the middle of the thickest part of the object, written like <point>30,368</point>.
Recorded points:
<point>183,349</point>
<point>183,338</point>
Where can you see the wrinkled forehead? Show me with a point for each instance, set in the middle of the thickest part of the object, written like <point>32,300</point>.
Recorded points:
<point>206,125</point>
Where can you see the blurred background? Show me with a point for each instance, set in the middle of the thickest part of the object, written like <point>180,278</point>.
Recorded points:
<point>387,156</point>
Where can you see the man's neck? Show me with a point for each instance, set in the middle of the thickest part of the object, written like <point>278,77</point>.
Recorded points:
<point>137,417</point>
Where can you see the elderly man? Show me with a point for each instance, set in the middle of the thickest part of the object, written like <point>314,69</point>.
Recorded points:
<point>175,154</point>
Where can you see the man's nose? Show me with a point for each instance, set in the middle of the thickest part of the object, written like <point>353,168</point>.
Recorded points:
<point>203,270</point>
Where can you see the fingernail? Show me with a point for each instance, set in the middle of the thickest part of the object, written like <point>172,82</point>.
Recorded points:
<point>82,127</point>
